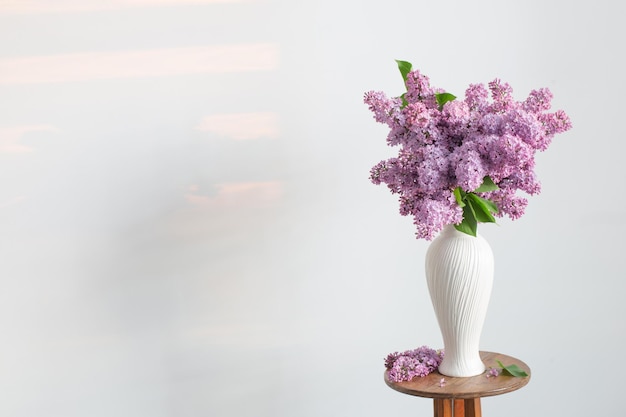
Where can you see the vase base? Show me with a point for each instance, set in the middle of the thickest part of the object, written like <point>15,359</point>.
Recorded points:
<point>461,371</point>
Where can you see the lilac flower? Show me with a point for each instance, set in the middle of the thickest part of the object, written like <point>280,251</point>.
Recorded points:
<point>384,108</point>
<point>491,372</point>
<point>476,96</point>
<point>502,95</point>
<point>538,100</point>
<point>458,145</point>
<point>469,168</point>
<point>418,88</point>
<point>407,365</point>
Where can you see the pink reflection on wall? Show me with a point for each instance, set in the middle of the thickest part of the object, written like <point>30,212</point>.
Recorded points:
<point>10,137</point>
<point>68,6</point>
<point>137,64</point>
<point>12,201</point>
<point>236,195</point>
<point>242,126</point>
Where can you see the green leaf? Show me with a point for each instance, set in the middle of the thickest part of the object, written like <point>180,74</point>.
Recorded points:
<point>464,227</point>
<point>404,102</point>
<point>443,98</point>
<point>404,67</point>
<point>491,206</point>
<point>482,208</point>
<point>459,195</point>
<point>469,225</point>
<point>480,212</point>
<point>486,186</point>
<point>512,370</point>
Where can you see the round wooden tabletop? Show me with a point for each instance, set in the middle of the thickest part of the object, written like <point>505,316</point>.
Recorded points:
<point>478,386</point>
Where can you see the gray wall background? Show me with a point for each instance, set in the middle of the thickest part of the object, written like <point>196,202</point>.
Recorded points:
<point>149,268</point>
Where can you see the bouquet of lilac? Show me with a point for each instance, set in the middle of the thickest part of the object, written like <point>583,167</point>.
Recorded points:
<point>462,162</point>
<point>417,362</point>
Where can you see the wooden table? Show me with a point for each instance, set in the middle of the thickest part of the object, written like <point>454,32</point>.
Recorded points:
<point>460,397</point>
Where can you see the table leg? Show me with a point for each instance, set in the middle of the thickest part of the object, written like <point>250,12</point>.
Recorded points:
<point>472,407</point>
<point>458,408</point>
<point>443,407</point>
<point>447,407</point>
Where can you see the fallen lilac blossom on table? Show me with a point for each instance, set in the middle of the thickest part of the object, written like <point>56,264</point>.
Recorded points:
<point>417,362</point>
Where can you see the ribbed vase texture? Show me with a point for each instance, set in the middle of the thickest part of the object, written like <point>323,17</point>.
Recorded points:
<point>459,272</point>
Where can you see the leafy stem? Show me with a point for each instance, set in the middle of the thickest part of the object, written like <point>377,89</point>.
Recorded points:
<point>512,370</point>
<point>443,98</point>
<point>405,67</point>
<point>475,208</point>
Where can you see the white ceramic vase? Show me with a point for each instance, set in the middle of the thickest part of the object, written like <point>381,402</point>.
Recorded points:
<point>459,272</point>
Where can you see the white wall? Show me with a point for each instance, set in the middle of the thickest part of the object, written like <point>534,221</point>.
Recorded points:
<point>156,262</point>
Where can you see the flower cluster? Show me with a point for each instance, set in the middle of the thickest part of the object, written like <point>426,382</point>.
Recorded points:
<point>417,362</point>
<point>449,148</point>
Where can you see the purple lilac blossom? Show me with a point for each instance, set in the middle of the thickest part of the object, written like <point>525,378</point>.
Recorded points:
<point>486,134</point>
<point>417,362</point>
